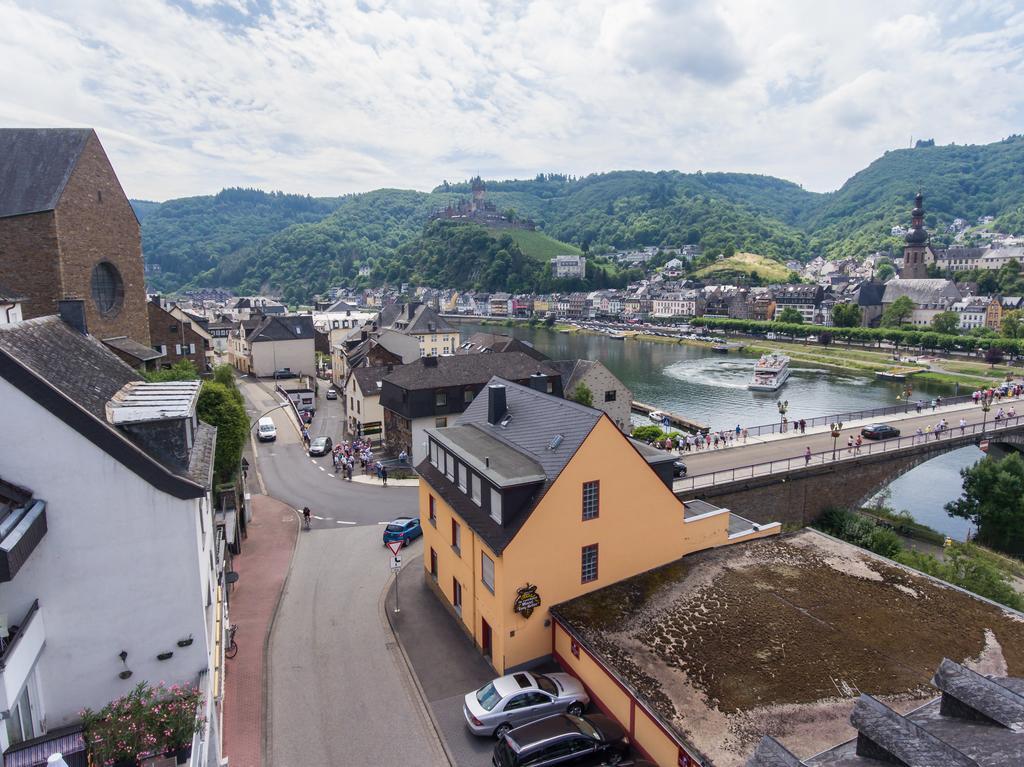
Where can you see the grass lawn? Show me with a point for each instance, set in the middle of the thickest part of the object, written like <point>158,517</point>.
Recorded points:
<point>538,245</point>
<point>766,268</point>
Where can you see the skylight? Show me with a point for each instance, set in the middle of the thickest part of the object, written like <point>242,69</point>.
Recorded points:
<point>555,442</point>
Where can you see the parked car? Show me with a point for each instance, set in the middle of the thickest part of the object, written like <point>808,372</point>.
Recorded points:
<point>332,394</point>
<point>678,469</point>
<point>515,699</point>
<point>879,431</point>
<point>404,529</point>
<point>285,373</point>
<point>584,741</point>
<point>320,446</point>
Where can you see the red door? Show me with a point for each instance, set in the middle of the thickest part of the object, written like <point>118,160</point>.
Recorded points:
<point>485,637</point>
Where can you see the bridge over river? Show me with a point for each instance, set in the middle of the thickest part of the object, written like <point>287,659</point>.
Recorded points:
<point>770,479</point>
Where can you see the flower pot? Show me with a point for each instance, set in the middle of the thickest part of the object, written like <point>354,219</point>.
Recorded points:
<point>183,754</point>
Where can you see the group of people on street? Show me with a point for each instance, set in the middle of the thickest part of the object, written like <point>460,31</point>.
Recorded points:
<point>346,455</point>
<point>711,440</point>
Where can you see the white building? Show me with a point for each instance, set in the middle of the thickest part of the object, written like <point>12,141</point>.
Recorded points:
<point>110,561</point>
<point>972,313</point>
<point>569,267</point>
<point>282,343</point>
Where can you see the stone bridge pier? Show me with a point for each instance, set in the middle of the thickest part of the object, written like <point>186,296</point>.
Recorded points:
<point>798,497</point>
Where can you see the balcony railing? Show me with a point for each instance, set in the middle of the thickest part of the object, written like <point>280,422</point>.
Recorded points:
<point>20,654</point>
<point>20,533</point>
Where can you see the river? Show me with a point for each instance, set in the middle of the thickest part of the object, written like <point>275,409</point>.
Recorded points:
<point>711,388</point>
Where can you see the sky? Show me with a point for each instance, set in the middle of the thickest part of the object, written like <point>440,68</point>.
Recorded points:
<point>327,97</point>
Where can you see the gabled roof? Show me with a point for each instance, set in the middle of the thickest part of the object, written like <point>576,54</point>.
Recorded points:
<point>465,370</point>
<point>35,165</point>
<point>497,342</point>
<point>423,320</point>
<point>928,291</point>
<point>274,328</point>
<point>74,376</point>
<point>133,349</point>
<point>369,379</point>
<point>536,419</point>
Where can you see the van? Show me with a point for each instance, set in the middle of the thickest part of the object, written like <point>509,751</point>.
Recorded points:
<point>265,429</point>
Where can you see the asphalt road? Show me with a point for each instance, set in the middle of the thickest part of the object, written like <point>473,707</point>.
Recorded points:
<point>301,480</point>
<point>339,691</point>
<point>793,444</point>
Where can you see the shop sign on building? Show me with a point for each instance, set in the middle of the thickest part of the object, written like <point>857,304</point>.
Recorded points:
<point>527,600</point>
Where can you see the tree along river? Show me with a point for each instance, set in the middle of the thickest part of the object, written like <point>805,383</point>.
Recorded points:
<point>712,388</point>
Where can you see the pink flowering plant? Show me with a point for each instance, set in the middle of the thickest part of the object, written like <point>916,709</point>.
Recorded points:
<point>148,721</point>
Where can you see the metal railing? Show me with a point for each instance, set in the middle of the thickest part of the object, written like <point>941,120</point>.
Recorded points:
<point>853,415</point>
<point>844,453</point>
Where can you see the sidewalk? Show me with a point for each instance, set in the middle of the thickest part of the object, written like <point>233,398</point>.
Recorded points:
<point>261,567</point>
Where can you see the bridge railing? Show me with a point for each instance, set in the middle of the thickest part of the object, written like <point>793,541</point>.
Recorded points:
<point>853,415</point>
<point>844,453</point>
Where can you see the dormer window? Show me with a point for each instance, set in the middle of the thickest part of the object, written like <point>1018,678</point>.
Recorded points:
<point>495,505</point>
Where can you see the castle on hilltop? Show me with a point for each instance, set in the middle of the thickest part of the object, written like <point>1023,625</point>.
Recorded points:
<point>479,210</point>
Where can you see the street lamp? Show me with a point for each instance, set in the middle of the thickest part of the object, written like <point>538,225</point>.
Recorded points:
<point>986,405</point>
<point>837,429</point>
<point>783,407</point>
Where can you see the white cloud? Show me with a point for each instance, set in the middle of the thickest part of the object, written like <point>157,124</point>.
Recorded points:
<point>348,95</point>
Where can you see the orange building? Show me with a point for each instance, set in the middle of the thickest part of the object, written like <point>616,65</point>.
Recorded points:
<point>532,500</point>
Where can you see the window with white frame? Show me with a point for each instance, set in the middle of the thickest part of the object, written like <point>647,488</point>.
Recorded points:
<point>433,453</point>
<point>495,505</point>
<point>463,477</point>
<point>449,466</point>
<point>474,487</point>
<point>487,571</point>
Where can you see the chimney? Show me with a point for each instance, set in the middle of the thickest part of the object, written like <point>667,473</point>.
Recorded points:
<point>72,311</point>
<point>539,381</point>
<point>496,407</point>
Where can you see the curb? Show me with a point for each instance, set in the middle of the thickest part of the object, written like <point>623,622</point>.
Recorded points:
<point>267,716</point>
<point>412,673</point>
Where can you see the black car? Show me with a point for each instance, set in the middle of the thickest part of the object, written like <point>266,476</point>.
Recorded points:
<point>879,431</point>
<point>320,446</point>
<point>678,469</point>
<point>585,741</point>
<point>285,373</point>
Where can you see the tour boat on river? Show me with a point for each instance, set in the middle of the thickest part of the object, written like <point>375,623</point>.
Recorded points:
<point>770,372</point>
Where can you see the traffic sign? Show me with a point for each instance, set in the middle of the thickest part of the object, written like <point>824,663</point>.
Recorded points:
<point>396,563</point>
<point>395,547</point>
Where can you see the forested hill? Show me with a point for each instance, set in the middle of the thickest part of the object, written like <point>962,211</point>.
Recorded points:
<point>250,240</point>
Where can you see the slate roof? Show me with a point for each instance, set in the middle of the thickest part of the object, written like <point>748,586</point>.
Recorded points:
<point>274,328</point>
<point>497,342</point>
<point>465,369</point>
<point>424,319</point>
<point>134,349</point>
<point>341,306</point>
<point>369,379</point>
<point>977,722</point>
<point>536,418</point>
<point>73,376</point>
<point>870,294</point>
<point>35,165</point>
<point>78,365</point>
<point>930,291</point>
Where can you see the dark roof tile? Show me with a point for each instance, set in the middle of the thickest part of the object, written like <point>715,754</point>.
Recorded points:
<point>465,369</point>
<point>35,165</point>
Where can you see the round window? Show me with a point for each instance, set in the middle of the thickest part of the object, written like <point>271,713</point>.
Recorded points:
<point>107,288</point>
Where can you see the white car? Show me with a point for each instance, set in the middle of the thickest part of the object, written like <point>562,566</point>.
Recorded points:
<point>516,699</point>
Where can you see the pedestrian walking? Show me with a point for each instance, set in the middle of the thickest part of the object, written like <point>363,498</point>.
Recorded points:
<point>938,401</point>
<point>857,443</point>
<point>384,476</point>
<point>803,426</point>
<point>738,431</point>
<point>744,436</point>
<point>849,445</point>
<point>933,405</point>
<point>807,455</point>
<point>919,435</point>
<point>963,425</point>
<point>919,406</point>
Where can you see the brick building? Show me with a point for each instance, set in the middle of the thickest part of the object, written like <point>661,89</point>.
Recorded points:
<point>175,338</point>
<point>67,230</point>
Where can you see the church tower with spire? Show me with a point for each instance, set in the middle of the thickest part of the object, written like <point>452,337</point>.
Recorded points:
<point>916,252</point>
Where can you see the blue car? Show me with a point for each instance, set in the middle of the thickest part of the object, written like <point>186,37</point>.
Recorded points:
<point>403,529</point>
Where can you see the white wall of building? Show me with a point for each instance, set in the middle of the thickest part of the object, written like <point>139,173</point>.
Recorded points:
<point>297,355</point>
<point>122,566</point>
<point>9,313</point>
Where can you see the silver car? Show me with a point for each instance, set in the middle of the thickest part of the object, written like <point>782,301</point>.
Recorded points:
<point>519,698</point>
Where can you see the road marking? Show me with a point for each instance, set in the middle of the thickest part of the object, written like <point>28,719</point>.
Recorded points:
<point>312,462</point>
<point>316,517</point>
<point>383,523</point>
<point>321,468</point>
<point>342,522</point>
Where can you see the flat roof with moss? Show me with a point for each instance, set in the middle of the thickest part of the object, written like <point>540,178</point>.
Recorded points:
<point>780,635</point>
